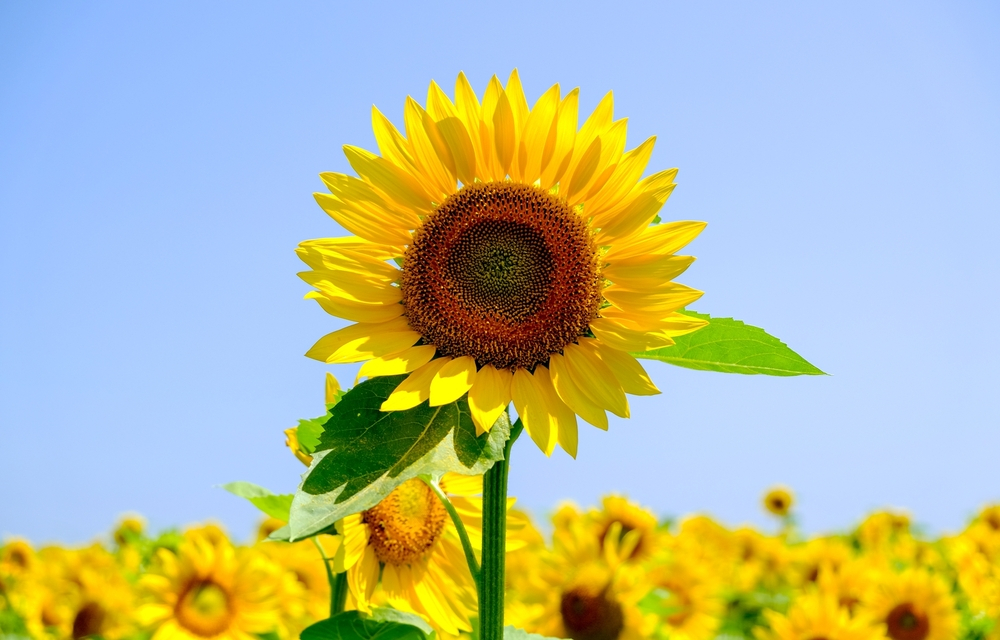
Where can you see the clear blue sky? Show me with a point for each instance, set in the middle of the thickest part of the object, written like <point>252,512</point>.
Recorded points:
<point>156,171</point>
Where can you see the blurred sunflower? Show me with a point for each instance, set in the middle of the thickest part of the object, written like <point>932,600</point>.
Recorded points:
<point>211,589</point>
<point>530,283</point>
<point>16,557</point>
<point>778,501</point>
<point>690,597</point>
<point>914,605</point>
<point>815,617</point>
<point>631,518</point>
<point>409,542</point>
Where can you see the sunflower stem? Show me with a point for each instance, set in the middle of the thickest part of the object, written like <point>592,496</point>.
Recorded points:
<point>491,578</point>
<point>338,582</point>
<point>470,555</point>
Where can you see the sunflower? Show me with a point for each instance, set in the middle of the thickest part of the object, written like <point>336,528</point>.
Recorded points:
<point>914,605</point>
<point>690,596</point>
<point>17,557</point>
<point>817,617</point>
<point>409,541</point>
<point>211,589</point>
<point>778,501</point>
<point>530,283</point>
<point>303,561</point>
<point>630,518</point>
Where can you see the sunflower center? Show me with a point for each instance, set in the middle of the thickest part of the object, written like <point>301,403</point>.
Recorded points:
<point>406,523</point>
<point>905,622</point>
<point>204,609</point>
<point>88,621</point>
<point>506,273</point>
<point>589,615</point>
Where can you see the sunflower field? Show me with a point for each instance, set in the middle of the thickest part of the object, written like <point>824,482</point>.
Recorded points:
<point>611,571</point>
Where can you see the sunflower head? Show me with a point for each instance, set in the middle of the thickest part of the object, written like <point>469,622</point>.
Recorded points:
<point>778,501</point>
<point>504,252</point>
<point>406,523</point>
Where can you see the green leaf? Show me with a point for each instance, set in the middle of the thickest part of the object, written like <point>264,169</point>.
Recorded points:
<point>388,614</point>
<point>309,431</point>
<point>354,625</point>
<point>276,506</point>
<point>364,453</point>
<point>513,633</point>
<point>730,346</point>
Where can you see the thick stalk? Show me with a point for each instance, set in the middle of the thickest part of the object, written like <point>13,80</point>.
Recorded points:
<point>491,575</point>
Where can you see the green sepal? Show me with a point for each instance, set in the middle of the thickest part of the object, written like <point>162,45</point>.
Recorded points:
<point>382,624</point>
<point>364,453</point>
<point>274,505</point>
<point>730,346</point>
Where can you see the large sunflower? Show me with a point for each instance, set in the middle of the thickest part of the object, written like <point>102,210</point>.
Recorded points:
<point>531,282</point>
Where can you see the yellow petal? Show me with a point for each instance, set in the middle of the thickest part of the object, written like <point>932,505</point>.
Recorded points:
<point>394,364</point>
<point>668,237</point>
<point>612,146</point>
<point>504,134</point>
<point>626,368</point>
<point>439,105</point>
<point>584,171</point>
<point>388,178</point>
<point>415,389</point>
<point>518,102</point>
<point>562,415</point>
<point>354,245</point>
<point>467,104</point>
<point>391,143</point>
<point>596,380</point>
<point>489,396</point>
<point>636,215</point>
<point>353,286</point>
<point>595,125</point>
<point>531,408</point>
<point>491,98</point>
<point>641,270</point>
<point>361,341</point>
<point>453,380</point>
<point>626,175</point>
<point>536,133</point>
<point>332,388</point>
<point>456,136</point>
<point>670,296</point>
<point>419,131</point>
<point>362,223</point>
<point>565,138</point>
<point>573,396</point>
<point>354,311</point>
<point>613,334</point>
<point>320,258</point>
<point>365,199</point>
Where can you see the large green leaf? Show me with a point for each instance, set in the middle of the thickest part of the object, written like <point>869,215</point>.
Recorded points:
<point>364,453</point>
<point>276,506</point>
<point>730,346</point>
<point>354,625</point>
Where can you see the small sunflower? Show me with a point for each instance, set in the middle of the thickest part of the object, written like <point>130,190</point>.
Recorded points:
<point>691,594</point>
<point>778,501</point>
<point>816,617</point>
<point>409,542</point>
<point>211,589</point>
<point>630,518</point>
<point>914,605</point>
<point>529,283</point>
<point>17,557</point>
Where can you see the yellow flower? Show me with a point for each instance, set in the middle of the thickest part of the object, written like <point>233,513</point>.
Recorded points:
<point>816,617</point>
<point>410,541</point>
<point>16,557</point>
<point>691,594</point>
<point>630,518</point>
<point>530,283</point>
<point>778,501</point>
<point>303,561</point>
<point>851,583</point>
<point>818,556</point>
<point>210,589</point>
<point>128,529</point>
<point>913,605</point>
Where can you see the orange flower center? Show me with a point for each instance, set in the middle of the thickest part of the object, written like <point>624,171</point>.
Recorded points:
<point>406,523</point>
<point>590,615</point>
<point>504,272</point>
<point>204,609</point>
<point>906,622</point>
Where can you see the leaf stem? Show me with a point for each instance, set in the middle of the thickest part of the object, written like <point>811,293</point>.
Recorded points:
<point>492,581</point>
<point>338,582</point>
<point>470,556</point>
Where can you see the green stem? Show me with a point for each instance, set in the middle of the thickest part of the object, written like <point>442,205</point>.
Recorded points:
<point>338,582</point>
<point>470,555</point>
<point>491,577</point>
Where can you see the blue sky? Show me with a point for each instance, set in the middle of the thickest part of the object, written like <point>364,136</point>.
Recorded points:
<point>157,165</point>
